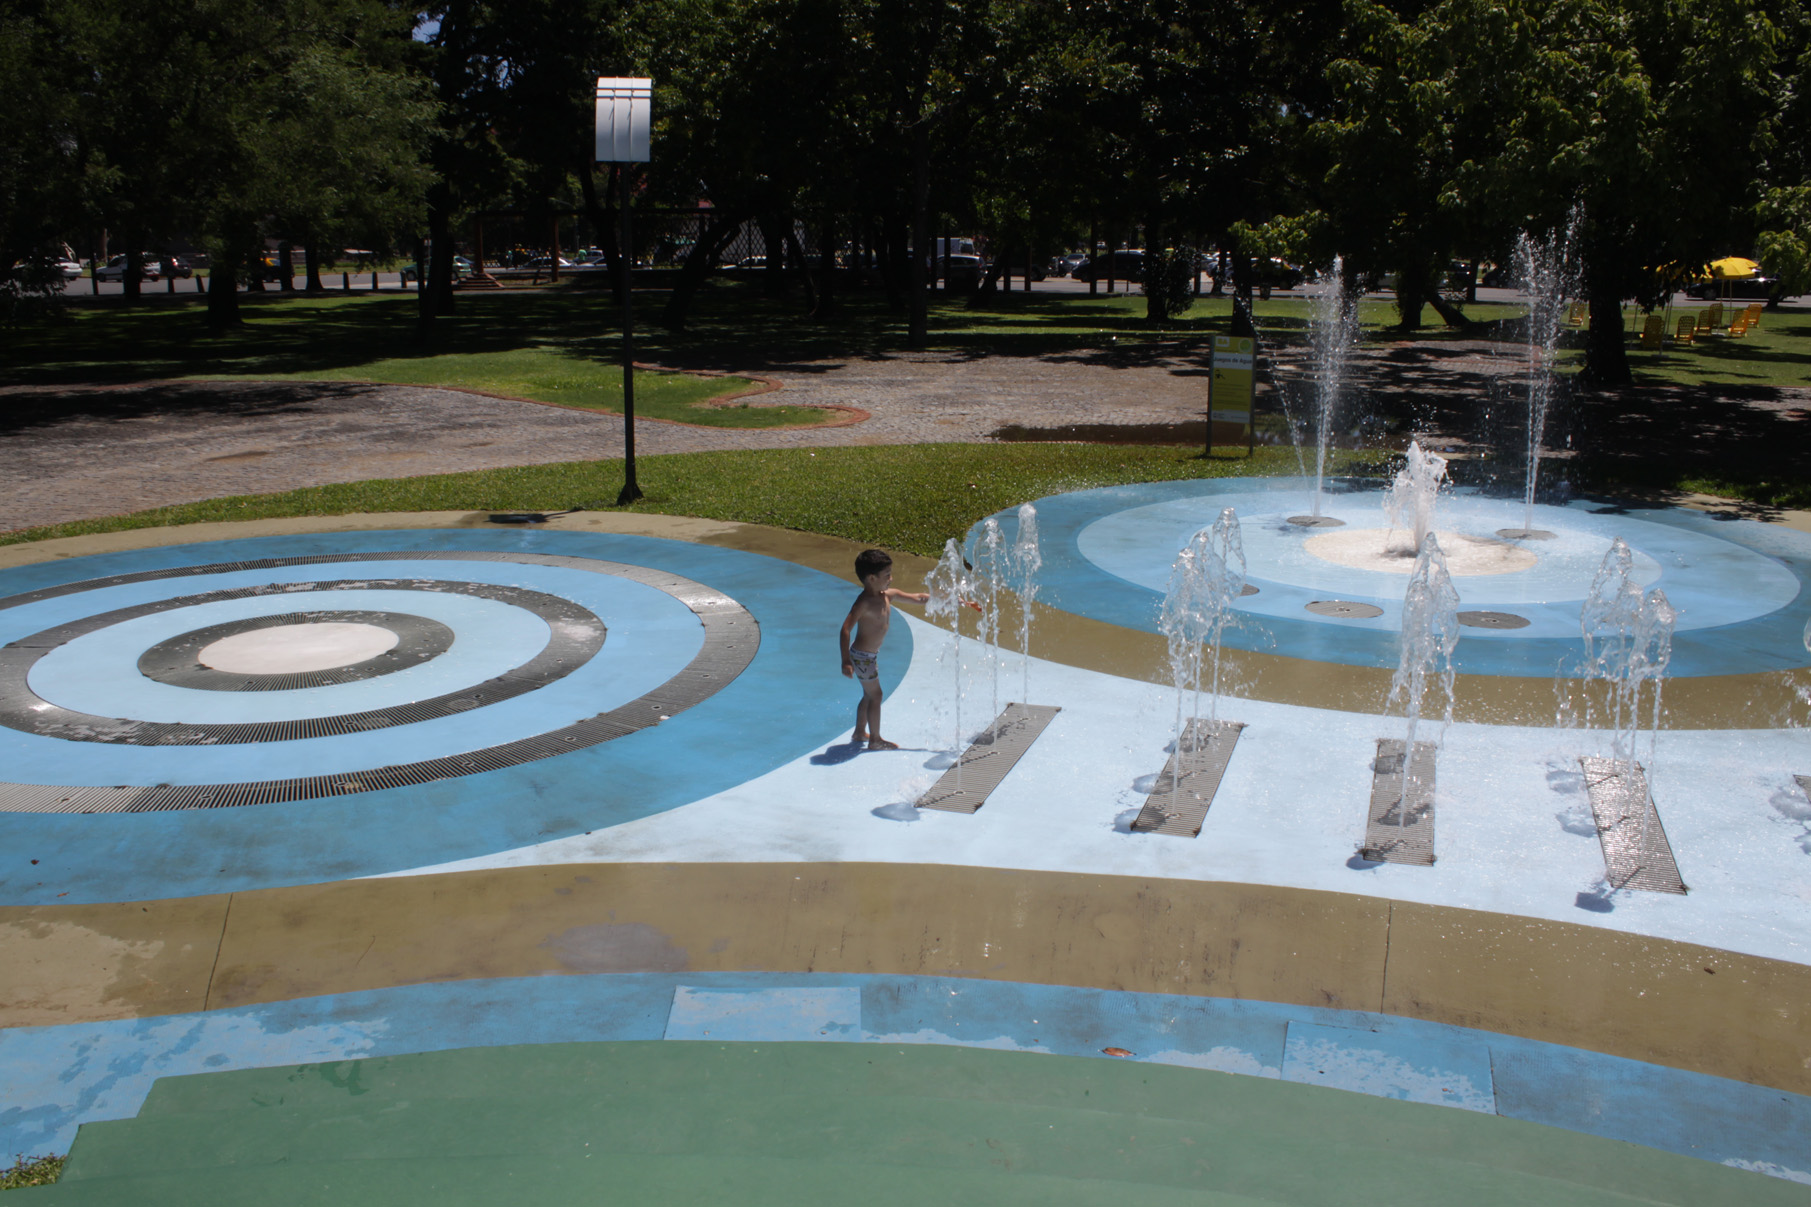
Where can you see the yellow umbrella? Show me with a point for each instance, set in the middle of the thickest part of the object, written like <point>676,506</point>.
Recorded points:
<point>1733,268</point>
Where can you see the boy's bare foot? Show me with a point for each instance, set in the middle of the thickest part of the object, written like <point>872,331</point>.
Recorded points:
<point>882,744</point>
<point>858,739</point>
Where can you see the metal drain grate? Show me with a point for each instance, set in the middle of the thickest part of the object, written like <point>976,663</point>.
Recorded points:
<point>984,764</point>
<point>1391,834</point>
<point>732,636</point>
<point>1636,853</point>
<point>1184,792</point>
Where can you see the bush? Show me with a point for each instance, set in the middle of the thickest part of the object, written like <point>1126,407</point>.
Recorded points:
<point>1169,281</point>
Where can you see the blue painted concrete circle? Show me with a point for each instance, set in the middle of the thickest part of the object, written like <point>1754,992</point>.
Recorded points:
<point>791,700</point>
<point>1739,586</point>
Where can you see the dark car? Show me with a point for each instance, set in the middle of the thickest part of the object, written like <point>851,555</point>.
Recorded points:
<point>176,266</point>
<point>1125,266</point>
<point>1759,286</point>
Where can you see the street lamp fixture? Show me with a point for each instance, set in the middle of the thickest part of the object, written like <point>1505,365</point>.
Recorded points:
<point>624,110</point>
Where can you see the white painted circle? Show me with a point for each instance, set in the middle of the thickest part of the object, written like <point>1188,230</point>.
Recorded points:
<point>1393,552</point>
<point>292,649</point>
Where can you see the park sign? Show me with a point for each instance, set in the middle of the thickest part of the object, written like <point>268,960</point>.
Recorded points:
<point>1229,390</point>
<point>624,110</point>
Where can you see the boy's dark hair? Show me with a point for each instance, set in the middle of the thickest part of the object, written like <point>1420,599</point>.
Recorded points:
<point>870,561</point>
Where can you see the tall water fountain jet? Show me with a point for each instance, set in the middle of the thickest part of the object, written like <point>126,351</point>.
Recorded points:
<point>988,575</point>
<point>1628,640</point>
<point>1628,645</point>
<point>1026,561</point>
<point>1207,577</point>
<point>948,586</point>
<point>1332,334</point>
<point>1548,272</point>
<point>1412,497</point>
<point>1430,634</point>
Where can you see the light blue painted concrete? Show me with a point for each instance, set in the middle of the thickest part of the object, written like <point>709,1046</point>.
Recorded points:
<point>1441,1070</point>
<point>787,1015</point>
<point>655,637</point>
<point>790,701</point>
<point>61,1077</point>
<point>98,673</point>
<point>1739,586</point>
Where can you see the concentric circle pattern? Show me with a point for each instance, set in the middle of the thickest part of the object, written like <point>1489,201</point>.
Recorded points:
<point>1739,587</point>
<point>573,635</point>
<point>185,661</point>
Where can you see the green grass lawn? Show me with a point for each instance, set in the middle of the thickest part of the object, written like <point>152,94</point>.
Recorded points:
<point>906,497</point>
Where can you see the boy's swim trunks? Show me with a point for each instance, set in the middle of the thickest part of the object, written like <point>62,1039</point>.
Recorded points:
<point>867,666</point>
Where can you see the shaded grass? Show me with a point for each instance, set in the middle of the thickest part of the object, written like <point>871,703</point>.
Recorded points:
<point>910,498</point>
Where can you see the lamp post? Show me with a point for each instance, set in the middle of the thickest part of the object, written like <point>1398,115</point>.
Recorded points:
<point>623,112</point>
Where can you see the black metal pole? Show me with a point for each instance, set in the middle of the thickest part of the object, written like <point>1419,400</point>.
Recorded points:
<point>631,491</point>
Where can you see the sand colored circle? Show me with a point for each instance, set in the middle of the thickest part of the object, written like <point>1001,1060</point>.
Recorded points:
<point>293,649</point>
<point>1392,552</point>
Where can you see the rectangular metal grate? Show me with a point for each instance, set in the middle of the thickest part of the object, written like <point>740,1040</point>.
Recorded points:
<point>1636,853</point>
<point>1184,792</point>
<point>1399,830</point>
<point>984,764</point>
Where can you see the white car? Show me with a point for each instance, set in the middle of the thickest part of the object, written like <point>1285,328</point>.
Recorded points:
<point>71,269</point>
<point>115,270</point>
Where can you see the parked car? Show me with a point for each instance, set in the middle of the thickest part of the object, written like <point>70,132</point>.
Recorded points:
<point>1277,274</point>
<point>1062,266</point>
<point>545,263</point>
<point>1758,286</point>
<point>960,272</point>
<point>1125,265</point>
<point>115,270</point>
<point>71,269</point>
<point>176,266</point>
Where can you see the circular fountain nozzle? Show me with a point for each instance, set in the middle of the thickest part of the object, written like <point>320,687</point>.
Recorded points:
<point>1347,608</point>
<point>1316,521</point>
<point>1493,620</point>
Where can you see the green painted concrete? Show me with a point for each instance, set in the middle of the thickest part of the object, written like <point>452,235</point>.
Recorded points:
<point>674,1122</point>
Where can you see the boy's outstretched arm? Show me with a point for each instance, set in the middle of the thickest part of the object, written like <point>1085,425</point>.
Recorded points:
<point>915,597</point>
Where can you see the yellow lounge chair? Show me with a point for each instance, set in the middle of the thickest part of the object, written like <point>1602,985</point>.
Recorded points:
<point>1752,316</point>
<point>1577,313</point>
<point>1688,327</point>
<point>1710,318</point>
<point>1653,332</point>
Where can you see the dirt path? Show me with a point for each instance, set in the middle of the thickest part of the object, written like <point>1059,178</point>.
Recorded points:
<point>75,452</point>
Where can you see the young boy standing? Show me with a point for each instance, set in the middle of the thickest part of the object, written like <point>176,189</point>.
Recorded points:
<point>869,618</point>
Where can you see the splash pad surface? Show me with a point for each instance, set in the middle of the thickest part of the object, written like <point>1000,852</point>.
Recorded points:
<point>739,853</point>
<point>1739,586</point>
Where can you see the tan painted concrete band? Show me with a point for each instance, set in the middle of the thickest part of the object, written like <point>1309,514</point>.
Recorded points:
<point>1671,1003</point>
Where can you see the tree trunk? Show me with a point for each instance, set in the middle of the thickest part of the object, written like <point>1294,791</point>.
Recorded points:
<point>1411,293</point>
<point>826,255</point>
<point>1240,266</point>
<point>130,285</point>
<point>773,238</point>
<point>1606,349</point>
<point>698,264</point>
<point>798,257</point>
<point>1155,310</point>
<point>437,298</point>
<point>1450,314</point>
<point>223,291</point>
<point>918,318</point>
<point>311,264</point>
<point>286,266</point>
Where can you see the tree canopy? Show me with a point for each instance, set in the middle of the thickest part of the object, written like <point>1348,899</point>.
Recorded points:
<point>1401,134</point>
